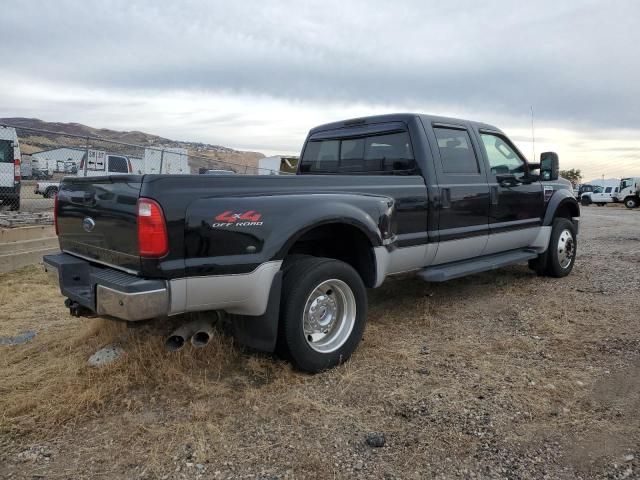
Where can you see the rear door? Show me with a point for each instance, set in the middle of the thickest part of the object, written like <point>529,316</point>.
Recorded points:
<point>517,206</point>
<point>463,205</point>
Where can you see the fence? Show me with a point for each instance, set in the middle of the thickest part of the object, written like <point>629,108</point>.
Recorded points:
<point>34,161</point>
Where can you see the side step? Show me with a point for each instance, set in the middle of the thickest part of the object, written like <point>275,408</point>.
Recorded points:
<point>448,271</point>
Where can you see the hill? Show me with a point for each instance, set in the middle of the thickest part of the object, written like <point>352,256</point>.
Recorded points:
<point>202,154</point>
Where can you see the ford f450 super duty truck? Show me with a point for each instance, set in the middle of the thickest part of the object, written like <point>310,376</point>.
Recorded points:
<point>289,258</point>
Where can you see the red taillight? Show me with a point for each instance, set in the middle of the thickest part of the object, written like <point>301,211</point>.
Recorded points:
<point>16,170</point>
<point>55,212</point>
<point>152,231</point>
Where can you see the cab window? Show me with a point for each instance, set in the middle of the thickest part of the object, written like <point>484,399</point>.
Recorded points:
<point>503,158</point>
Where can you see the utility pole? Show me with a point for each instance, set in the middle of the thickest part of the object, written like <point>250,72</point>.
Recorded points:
<point>533,137</point>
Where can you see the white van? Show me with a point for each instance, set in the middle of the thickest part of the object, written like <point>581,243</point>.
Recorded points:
<point>600,196</point>
<point>9,168</point>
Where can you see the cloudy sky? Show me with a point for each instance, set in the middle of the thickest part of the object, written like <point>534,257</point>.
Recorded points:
<point>258,75</point>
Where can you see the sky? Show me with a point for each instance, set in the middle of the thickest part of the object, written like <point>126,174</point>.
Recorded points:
<point>257,75</point>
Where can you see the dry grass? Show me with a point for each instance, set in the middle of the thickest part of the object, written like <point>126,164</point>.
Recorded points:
<point>497,371</point>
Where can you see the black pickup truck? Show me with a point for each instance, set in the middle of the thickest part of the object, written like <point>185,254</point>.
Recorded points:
<point>289,257</point>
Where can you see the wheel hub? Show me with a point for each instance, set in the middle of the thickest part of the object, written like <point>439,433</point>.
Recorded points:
<point>329,316</point>
<point>566,249</point>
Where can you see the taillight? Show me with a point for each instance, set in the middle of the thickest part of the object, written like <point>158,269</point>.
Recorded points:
<point>16,170</point>
<point>130,166</point>
<point>152,230</point>
<point>55,212</point>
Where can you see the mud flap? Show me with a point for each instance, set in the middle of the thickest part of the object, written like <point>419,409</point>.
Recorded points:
<point>261,332</point>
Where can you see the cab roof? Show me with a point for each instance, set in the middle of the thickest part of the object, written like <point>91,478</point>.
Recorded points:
<point>398,117</point>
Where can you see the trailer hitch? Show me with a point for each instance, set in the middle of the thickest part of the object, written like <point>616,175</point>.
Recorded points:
<point>77,310</point>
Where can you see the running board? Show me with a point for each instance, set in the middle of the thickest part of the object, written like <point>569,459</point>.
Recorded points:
<point>448,271</point>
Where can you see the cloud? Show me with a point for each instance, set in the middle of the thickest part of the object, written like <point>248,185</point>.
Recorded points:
<point>259,74</point>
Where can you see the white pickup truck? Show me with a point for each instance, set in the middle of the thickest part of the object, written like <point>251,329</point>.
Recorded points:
<point>100,164</point>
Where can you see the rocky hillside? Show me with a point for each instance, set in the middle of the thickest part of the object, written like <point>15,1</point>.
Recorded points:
<point>203,154</point>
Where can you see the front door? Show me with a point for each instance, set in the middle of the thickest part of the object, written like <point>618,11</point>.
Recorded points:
<point>463,206</point>
<point>517,206</point>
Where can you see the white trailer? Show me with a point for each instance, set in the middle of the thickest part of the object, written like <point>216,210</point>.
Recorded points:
<point>167,161</point>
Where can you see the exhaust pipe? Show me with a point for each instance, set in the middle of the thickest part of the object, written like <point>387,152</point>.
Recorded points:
<point>199,331</point>
<point>204,331</point>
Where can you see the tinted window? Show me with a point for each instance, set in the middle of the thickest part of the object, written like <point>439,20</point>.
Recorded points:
<point>6,152</point>
<point>607,190</point>
<point>321,156</point>
<point>391,152</point>
<point>118,165</point>
<point>503,159</point>
<point>456,152</point>
<point>387,153</point>
<point>352,155</point>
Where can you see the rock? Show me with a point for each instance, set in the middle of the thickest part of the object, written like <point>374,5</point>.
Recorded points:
<point>106,355</point>
<point>375,440</point>
<point>629,457</point>
<point>18,339</point>
<point>579,383</point>
<point>359,465</point>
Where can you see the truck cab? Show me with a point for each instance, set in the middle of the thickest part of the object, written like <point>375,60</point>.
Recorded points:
<point>629,192</point>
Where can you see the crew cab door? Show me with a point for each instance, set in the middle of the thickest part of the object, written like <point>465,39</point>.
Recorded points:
<point>517,205</point>
<point>463,198</point>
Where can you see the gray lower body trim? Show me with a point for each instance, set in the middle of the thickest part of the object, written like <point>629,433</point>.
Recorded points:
<point>402,260</point>
<point>131,306</point>
<point>242,294</point>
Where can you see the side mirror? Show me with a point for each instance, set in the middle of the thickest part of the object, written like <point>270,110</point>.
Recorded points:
<point>549,166</point>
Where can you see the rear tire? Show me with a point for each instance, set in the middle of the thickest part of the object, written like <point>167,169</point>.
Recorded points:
<point>561,254</point>
<point>50,192</point>
<point>323,313</point>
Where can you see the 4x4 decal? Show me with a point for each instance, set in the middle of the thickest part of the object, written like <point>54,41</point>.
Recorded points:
<point>249,218</point>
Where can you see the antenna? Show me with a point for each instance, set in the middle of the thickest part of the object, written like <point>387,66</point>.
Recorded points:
<point>533,137</point>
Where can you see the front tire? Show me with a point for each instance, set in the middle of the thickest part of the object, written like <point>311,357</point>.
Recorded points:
<point>630,202</point>
<point>563,243</point>
<point>323,313</point>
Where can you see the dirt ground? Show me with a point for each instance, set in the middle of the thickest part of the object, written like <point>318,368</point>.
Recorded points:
<point>498,375</point>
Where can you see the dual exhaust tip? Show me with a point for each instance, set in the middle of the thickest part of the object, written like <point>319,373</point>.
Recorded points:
<point>199,332</point>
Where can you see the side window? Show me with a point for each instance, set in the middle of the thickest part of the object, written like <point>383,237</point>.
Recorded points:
<point>503,159</point>
<point>607,190</point>
<point>456,151</point>
<point>320,156</point>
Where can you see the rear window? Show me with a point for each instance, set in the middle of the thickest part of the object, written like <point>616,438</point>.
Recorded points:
<point>6,152</point>
<point>118,165</point>
<point>389,153</point>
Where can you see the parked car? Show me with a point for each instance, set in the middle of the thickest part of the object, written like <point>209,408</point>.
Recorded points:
<point>289,258</point>
<point>10,174</point>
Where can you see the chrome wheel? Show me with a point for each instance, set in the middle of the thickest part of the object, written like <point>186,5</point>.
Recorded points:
<point>566,248</point>
<point>329,316</point>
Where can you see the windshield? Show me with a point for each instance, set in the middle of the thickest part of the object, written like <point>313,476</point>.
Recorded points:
<point>626,182</point>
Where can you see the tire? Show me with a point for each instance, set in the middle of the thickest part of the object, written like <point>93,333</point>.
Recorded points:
<point>50,192</point>
<point>585,201</point>
<point>561,254</point>
<point>600,204</point>
<point>630,202</point>
<point>14,205</point>
<point>313,288</point>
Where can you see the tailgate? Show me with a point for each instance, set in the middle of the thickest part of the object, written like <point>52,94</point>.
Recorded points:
<point>97,219</point>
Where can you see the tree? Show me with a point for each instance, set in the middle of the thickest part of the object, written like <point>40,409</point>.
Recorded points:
<point>574,175</point>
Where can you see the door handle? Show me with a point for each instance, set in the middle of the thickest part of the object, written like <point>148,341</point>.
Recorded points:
<point>445,198</point>
<point>493,193</point>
